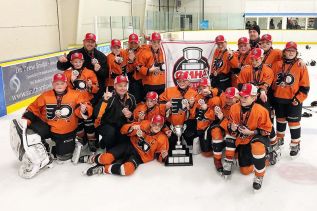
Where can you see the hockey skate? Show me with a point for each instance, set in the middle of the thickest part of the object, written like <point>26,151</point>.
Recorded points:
<point>90,159</point>
<point>294,150</point>
<point>280,141</point>
<point>227,167</point>
<point>257,183</point>
<point>218,165</point>
<point>97,169</point>
<point>274,154</point>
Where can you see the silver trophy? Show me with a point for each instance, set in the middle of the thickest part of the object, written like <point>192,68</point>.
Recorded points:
<point>179,155</point>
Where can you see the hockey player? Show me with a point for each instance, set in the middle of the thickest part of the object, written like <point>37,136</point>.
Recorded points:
<point>261,76</point>
<point>54,114</point>
<point>270,55</point>
<point>151,66</point>
<point>219,127</point>
<point>113,111</point>
<point>249,127</point>
<point>254,36</point>
<point>147,142</point>
<point>222,61</point>
<point>151,107</point>
<point>291,86</point>
<point>178,102</point>
<point>117,61</point>
<point>134,50</point>
<point>93,59</point>
<point>203,111</point>
<point>84,80</point>
<point>243,55</point>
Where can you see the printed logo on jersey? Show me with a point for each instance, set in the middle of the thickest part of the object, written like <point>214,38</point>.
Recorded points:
<point>143,145</point>
<point>193,62</point>
<point>283,79</point>
<point>63,112</point>
<point>80,84</point>
<point>218,63</point>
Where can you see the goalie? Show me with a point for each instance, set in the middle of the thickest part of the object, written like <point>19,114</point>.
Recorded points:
<point>54,114</point>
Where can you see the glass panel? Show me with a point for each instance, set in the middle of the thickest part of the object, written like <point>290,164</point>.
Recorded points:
<point>296,23</point>
<point>250,22</point>
<point>263,23</point>
<point>276,23</point>
<point>312,23</point>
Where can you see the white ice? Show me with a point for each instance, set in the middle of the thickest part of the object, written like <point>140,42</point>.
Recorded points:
<point>289,185</point>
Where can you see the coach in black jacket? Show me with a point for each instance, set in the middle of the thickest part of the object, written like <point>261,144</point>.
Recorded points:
<point>94,60</point>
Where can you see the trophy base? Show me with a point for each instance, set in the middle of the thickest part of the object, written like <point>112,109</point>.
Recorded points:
<point>179,156</point>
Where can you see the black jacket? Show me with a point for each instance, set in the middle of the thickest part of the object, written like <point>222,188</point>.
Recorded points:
<point>113,112</point>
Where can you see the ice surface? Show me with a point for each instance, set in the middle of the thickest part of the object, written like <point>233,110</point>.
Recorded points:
<point>289,185</point>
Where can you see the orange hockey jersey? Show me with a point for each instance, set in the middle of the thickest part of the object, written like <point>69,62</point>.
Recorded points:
<point>221,63</point>
<point>150,145</point>
<point>261,78</point>
<point>148,112</point>
<point>290,81</point>
<point>46,106</point>
<point>205,118</point>
<point>147,59</point>
<point>178,116</point>
<point>132,66</point>
<point>242,61</point>
<point>257,118</point>
<point>272,56</point>
<point>81,82</point>
<point>116,68</point>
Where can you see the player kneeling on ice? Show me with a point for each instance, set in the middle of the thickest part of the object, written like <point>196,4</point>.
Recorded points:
<point>54,114</point>
<point>249,126</point>
<point>147,142</point>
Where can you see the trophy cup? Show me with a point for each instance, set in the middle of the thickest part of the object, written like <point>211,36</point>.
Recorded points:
<point>179,154</point>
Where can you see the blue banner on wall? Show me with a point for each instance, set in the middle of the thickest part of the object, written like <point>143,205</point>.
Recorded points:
<point>25,80</point>
<point>3,110</point>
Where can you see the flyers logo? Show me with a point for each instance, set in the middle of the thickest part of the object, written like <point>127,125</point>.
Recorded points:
<point>80,84</point>
<point>143,145</point>
<point>64,112</point>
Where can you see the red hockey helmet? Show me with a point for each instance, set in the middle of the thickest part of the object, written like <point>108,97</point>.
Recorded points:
<point>133,38</point>
<point>248,90</point>
<point>157,119</point>
<point>220,39</point>
<point>121,79</point>
<point>155,36</point>
<point>243,40</point>
<point>115,42</point>
<point>59,77</point>
<point>76,56</point>
<point>232,92</point>
<point>266,37</point>
<point>290,45</point>
<point>90,36</point>
<point>256,53</point>
<point>151,95</point>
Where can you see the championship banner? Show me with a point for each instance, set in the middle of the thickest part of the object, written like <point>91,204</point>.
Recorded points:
<point>194,57</point>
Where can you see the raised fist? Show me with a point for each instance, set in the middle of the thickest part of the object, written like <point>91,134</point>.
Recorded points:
<point>63,58</point>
